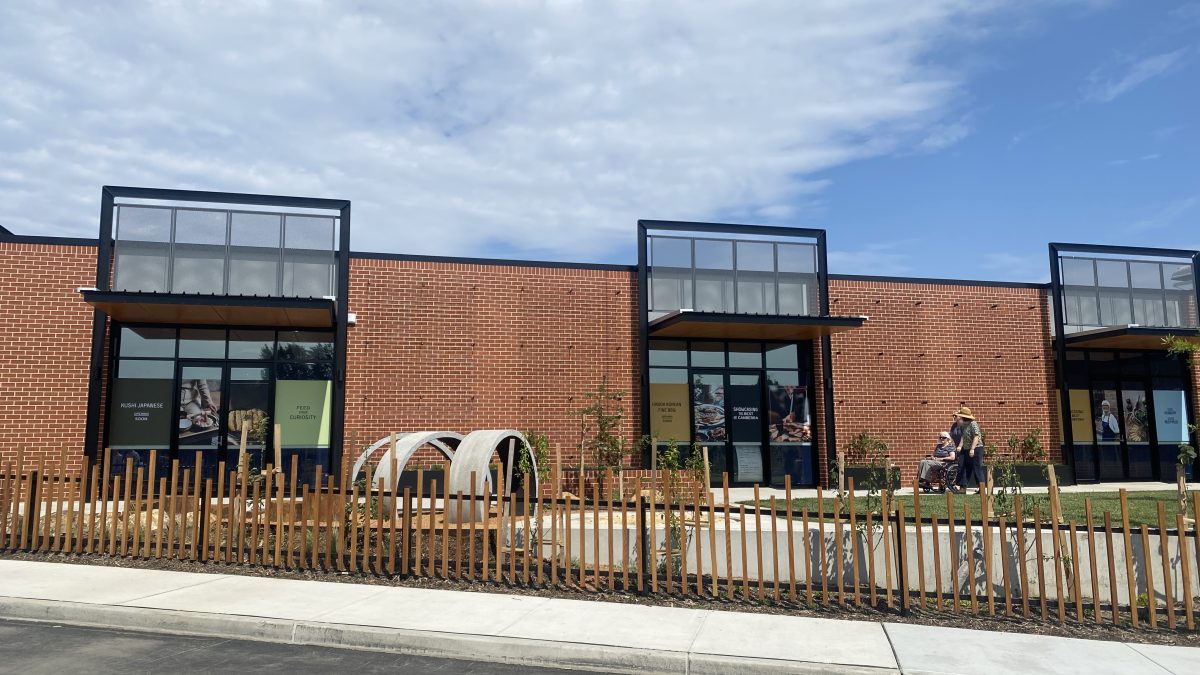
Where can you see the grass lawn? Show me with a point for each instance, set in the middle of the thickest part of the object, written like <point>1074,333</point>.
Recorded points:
<point>1143,506</point>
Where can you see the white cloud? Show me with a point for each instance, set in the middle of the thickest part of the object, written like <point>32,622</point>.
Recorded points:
<point>1104,87</point>
<point>1165,215</point>
<point>467,128</point>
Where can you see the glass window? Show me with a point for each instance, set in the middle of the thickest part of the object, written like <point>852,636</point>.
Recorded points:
<point>670,252</point>
<point>1148,308</point>
<point>308,256</point>
<point>297,370</point>
<point>798,258</point>
<point>714,276</point>
<point>668,353</point>
<point>1115,307</point>
<point>745,355</point>
<point>1112,273</point>
<point>199,262</point>
<point>1178,277</point>
<point>1145,275</point>
<point>669,376</point>
<point>141,341</point>
<point>782,356</point>
<point>254,242</point>
<point>143,245</point>
<point>197,343</point>
<point>708,355</point>
<point>1078,272</point>
<point>305,346</point>
<point>140,369</point>
<point>755,256</point>
<point>252,344</point>
<point>667,292</point>
<point>144,223</point>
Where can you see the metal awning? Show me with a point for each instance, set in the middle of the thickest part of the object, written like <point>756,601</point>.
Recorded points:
<point>219,310</point>
<point>718,325</point>
<point>1131,336</point>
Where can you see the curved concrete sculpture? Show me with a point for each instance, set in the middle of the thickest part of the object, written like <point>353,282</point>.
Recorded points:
<point>406,446</point>
<point>475,453</point>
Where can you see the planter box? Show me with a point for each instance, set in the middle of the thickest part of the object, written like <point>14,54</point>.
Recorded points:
<point>1031,475</point>
<point>862,474</point>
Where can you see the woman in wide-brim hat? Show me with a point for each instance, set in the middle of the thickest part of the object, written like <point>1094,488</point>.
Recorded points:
<point>970,448</point>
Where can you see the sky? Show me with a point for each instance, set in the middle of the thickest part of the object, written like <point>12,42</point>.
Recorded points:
<point>934,138</point>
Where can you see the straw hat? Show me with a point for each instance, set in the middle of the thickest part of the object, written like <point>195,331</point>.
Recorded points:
<point>965,413</point>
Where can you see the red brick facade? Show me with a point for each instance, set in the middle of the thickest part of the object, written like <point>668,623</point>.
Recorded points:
<point>451,346</point>
<point>45,351</point>
<point>927,349</point>
<point>443,345</point>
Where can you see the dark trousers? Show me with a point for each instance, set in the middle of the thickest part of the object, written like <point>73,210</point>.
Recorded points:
<point>971,467</point>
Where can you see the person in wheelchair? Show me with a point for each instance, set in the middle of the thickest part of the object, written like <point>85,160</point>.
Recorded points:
<point>939,469</point>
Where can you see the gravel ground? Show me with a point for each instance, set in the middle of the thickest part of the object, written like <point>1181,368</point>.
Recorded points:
<point>929,616</point>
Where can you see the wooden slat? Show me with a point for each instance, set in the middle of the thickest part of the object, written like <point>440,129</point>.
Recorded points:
<point>252,544</point>
<point>330,502</point>
<point>74,484</point>
<point>568,543</point>
<point>970,551</point>
<point>683,552</point>
<point>745,553</point>
<point>728,536</point>
<point>668,568</point>
<point>985,516</point>
<point>1185,569</point>
<point>308,521</point>
<point>874,593</point>
<point>939,598</point>
<point>884,522</point>
<point>136,549</point>
<point>774,551</point>
<point>758,540</point>
<point>527,538</point>
<point>126,505</point>
<point>612,567</point>
<point>1130,580</point>
<point>1006,583</point>
<point>822,552</point>
<point>61,501</point>
<point>1151,591</point>
<point>233,521</point>
<point>625,546</point>
<point>512,528</point>
<point>93,508</point>
<point>292,544</point>
<point>419,520</point>
<point>595,536</point>
<point>458,535</point>
<point>196,525</point>
<point>113,546</point>
<point>354,527</point>
<point>406,553</point>
<point>1164,552</point>
<point>471,542</point>
<point>791,540</point>
<point>445,570</point>
<point>241,511</point>
<point>1059,569</point>
<point>202,521</point>
<point>902,579</point>
<point>1112,570</point>
<point>1022,572</point>
<point>1074,573</point>
<point>954,561</point>
<point>1092,565</point>
<point>16,496</point>
<point>380,490</point>
<point>920,542</point>
<point>583,532</point>
<point>838,558</point>
<point>554,516</point>
<point>1043,598</point>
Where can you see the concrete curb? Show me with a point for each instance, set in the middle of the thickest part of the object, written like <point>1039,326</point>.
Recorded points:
<point>517,651</point>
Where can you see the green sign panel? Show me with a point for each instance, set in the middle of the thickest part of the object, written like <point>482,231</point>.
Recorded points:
<point>303,409</point>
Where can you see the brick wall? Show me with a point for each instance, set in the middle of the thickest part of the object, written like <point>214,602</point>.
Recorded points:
<point>928,348</point>
<point>457,347</point>
<point>45,349</point>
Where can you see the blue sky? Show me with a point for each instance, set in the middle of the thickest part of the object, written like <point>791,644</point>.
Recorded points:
<point>947,138</point>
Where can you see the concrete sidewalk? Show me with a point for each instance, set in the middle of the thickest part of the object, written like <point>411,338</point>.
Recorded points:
<point>541,631</point>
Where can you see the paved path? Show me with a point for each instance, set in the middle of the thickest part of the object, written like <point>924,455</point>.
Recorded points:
<point>742,494</point>
<point>536,631</point>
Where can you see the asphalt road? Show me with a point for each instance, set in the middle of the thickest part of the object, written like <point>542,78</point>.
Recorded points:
<point>36,648</point>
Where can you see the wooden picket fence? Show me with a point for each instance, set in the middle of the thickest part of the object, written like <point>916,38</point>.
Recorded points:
<point>657,539</point>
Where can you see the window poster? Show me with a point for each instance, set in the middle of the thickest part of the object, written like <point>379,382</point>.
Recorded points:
<point>789,414</point>
<point>1081,413</point>
<point>708,401</point>
<point>303,409</point>
<point>1170,416</point>
<point>199,410</point>
<point>668,412</point>
<point>1136,416</point>
<point>140,414</point>
<point>1105,422</point>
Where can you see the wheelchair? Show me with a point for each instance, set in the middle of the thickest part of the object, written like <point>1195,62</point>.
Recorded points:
<point>941,477</point>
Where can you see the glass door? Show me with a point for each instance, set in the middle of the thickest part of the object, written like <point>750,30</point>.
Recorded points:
<point>1106,428</point>
<point>744,400</point>
<point>249,400</point>
<point>200,413</point>
<point>1135,424</point>
<point>709,420</point>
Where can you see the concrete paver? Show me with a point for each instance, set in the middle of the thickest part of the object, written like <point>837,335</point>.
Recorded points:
<point>1178,660</point>
<point>242,596</point>
<point>767,636</point>
<point>923,650</point>
<point>453,612</point>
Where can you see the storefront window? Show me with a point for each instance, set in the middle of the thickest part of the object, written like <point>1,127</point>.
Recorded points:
<point>197,343</point>
<point>147,342</point>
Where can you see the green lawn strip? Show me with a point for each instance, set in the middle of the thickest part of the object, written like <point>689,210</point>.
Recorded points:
<point>1143,506</point>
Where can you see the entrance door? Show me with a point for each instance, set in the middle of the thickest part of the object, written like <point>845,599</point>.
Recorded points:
<point>727,411</point>
<point>201,415</point>
<point>1134,412</point>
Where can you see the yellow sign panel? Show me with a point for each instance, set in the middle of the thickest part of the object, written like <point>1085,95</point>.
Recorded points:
<point>669,412</point>
<point>1081,415</point>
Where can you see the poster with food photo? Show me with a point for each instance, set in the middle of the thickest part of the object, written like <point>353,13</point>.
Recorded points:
<point>199,408</point>
<point>789,415</point>
<point>708,408</point>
